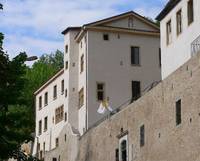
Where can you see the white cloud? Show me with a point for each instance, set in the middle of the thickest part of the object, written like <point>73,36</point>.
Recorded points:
<point>45,19</point>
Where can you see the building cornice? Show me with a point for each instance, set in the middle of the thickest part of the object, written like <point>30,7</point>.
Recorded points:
<point>118,30</point>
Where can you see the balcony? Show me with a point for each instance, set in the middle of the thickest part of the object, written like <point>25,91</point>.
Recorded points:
<point>195,46</point>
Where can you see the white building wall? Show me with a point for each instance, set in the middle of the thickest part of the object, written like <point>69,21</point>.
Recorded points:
<point>104,65</point>
<point>179,51</point>
<point>71,74</point>
<point>82,115</point>
<point>53,129</point>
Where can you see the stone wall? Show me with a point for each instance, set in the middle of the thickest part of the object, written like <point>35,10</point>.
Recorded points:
<point>164,141</point>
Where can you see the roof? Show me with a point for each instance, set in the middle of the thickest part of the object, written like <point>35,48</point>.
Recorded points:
<point>70,28</point>
<point>121,16</point>
<point>169,6</point>
<point>50,80</point>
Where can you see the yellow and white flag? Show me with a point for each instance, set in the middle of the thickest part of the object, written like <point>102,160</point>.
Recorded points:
<point>103,107</point>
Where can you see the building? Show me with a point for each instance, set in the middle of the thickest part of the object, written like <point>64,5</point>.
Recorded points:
<point>120,54</point>
<point>180,36</point>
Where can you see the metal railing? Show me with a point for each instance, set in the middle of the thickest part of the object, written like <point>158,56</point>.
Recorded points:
<point>195,46</point>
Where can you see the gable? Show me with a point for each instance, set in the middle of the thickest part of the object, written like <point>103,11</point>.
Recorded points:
<point>131,22</point>
<point>128,20</point>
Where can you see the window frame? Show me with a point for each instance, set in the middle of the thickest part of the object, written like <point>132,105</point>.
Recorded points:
<point>178,112</point>
<point>106,37</point>
<point>46,99</point>
<point>190,12</point>
<point>45,123</point>
<point>82,63</point>
<point>81,97</point>
<point>169,32</point>
<point>40,103</point>
<point>55,92</point>
<point>133,54</point>
<point>142,135</point>
<point>40,127</point>
<point>179,24</point>
<point>100,90</point>
<point>66,49</point>
<point>59,114</point>
<point>62,87</point>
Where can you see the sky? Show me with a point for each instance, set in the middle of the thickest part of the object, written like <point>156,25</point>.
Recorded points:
<point>35,26</point>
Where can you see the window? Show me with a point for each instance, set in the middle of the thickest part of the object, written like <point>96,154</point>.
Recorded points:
<point>130,22</point>
<point>66,49</point>
<point>100,91</point>
<point>62,86</point>
<point>46,98</point>
<point>190,12</point>
<point>123,150</point>
<point>81,98</point>
<point>136,91</point>
<point>44,147</point>
<point>159,57</point>
<point>40,102</point>
<point>66,65</point>
<point>65,116</point>
<point>82,63</point>
<point>169,32</point>
<point>45,123</point>
<point>54,159</point>
<point>57,142</point>
<point>55,92</point>
<point>105,37</point>
<point>40,127</point>
<point>65,137</point>
<point>135,55</point>
<point>178,112</point>
<point>81,44</point>
<point>179,22</point>
<point>116,154</point>
<point>142,136</point>
<point>59,112</point>
<point>65,92</point>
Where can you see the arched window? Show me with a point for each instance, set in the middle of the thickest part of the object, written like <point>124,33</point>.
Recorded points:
<point>123,151</point>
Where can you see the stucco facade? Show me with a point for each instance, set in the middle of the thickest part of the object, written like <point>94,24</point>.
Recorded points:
<point>180,49</point>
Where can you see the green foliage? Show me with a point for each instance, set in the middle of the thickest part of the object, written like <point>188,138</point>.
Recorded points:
<point>17,85</point>
<point>13,130</point>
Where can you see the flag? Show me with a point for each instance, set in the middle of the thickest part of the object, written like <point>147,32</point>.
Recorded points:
<point>101,109</point>
<point>104,105</point>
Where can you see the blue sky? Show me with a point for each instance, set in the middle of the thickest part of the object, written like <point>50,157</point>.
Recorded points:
<point>35,26</point>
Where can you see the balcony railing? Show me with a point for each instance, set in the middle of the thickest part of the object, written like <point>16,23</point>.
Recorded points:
<point>195,46</point>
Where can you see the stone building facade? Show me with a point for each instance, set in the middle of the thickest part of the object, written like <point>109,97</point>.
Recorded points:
<point>163,125</point>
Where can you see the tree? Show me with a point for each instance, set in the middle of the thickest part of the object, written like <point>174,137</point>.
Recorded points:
<point>14,128</point>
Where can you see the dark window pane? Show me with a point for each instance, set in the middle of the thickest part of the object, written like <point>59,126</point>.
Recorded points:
<point>135,55</point>
<point>123,151</point>
<point>142,136</point>
<point>136,92</point>
<point>178,112</point>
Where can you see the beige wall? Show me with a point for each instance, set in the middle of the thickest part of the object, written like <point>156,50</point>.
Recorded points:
<point>164,141</point>
<point>67,149</point>
<point>104,58</point>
